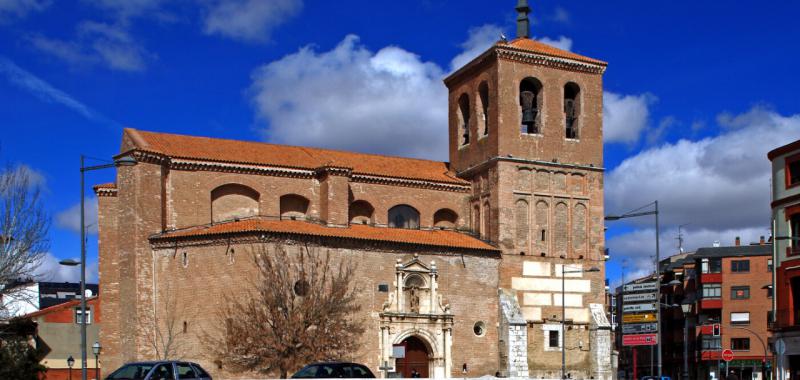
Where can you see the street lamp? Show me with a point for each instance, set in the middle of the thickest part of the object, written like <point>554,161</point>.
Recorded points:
<point>70,363</point>
<point>121,161</point>
<point>633,214</point>
<point>96,349</point>
<point>564,313</point>
<point>687,309</point>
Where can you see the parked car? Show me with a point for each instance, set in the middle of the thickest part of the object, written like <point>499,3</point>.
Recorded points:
<point>655,378</point>
<point>160,370</point>
<point>329,370</point>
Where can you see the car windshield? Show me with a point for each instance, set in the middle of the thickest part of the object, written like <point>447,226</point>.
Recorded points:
<point>133,371</point>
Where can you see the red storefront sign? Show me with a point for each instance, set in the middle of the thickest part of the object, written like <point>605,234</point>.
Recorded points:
<point>640,340</point>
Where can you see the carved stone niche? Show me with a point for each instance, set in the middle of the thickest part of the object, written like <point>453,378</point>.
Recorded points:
<point>416,290</point>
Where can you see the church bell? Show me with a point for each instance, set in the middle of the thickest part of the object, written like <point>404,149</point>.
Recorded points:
<point>528,100</point>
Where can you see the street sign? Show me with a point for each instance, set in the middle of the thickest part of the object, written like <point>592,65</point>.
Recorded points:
<point>638,328</point>
<point>399,351</point>
<point>727,355</point>
<point>638,297</point>
<point>640,340</point>
<point>638,307</point>
<point>638,318</point>
<point>645,286</point>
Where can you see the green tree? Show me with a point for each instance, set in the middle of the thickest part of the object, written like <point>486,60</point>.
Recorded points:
<point>20,360</point>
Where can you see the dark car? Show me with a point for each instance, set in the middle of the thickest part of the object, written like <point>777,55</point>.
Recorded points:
<point>160,370</point>
<point>329,370</point>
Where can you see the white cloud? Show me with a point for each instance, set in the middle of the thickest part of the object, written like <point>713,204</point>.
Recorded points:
<point>480,39</point>
<point>562,42</point>
<point>20,8</point>
<point>45,92</point>
<point>50,270</point>
<point>625,116</point>
<point>388,102</point>
<point>249,20</point>
<point>720,184</point>
<point>70,219</point>
<point>97,43</point>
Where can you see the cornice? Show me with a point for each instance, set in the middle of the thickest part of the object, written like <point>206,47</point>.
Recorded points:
<point>493,160</point>
<point>511,54</point>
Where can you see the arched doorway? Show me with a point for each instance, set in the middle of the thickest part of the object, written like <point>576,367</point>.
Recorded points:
<point>416,358</point>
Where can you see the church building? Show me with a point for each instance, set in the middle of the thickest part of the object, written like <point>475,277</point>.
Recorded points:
<point>491,262</point>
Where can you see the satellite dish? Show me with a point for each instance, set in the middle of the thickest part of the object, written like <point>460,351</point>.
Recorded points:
<point>88,293</point>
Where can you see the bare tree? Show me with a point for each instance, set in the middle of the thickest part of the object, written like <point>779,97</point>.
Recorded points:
<point>24,226</point>
<point>166,338</point>
<point>301,308</point>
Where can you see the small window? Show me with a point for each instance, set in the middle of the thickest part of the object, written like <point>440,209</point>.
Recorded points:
<point>792,171</point>
<point>740,344</point>
<point>769,265</point>
<point>571,109</point>
<point>185,259</point>
<point>463,118</point>
<point>740,266</point>
<point>552,339</point>
<point>383,288</point>
<point>712,291</point>
<point>483,95</point>
<point>79,316</point>
<point>740,292</point>
<point>479,329</point>
<point>740,318</point>
<point>794,224</point>
<point>710,342</point>
<point>714,266</point>
<point>530,104</point>
<point>185,327</point>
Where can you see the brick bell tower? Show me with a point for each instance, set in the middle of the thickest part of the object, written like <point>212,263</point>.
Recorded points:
<point>525,127</point>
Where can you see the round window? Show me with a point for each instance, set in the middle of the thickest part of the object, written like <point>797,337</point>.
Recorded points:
<point>479,328</point>
<point>301,288</point>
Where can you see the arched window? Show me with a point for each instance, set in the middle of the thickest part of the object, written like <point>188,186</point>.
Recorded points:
<point>476,219</point>
<point>572,109</point>
<point>361,212</point>
<point>463,118</point>
<point>293,206</point>
<point>403,216</point>
<point>445,217</point>
<point>483,96</point>
<point>579,228</point>
<point>530,102</point>
<point>522,218</point>
<point>487,221</point>
<point>233,201</point>
<point>560,232</point>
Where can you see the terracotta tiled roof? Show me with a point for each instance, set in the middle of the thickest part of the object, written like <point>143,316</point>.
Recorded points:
<point>110,185</point>
<point>59,307</point>
<point>256,153</point>
<point>435,238</point>
<point>534,46</point>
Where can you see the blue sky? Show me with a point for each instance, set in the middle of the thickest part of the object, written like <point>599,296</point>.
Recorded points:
<point>696,92</point>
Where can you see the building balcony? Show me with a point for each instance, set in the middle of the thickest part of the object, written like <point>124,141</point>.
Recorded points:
<point>711,278</point>
<point>711,303</point>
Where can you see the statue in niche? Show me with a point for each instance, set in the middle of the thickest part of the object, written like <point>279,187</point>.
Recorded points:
<point>414,299</point>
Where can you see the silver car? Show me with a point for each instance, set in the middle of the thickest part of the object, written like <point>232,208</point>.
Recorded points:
<point>160,370</point>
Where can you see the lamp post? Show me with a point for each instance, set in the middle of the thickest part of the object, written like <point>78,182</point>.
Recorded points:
<point>96,349</point>
<point>70,363</point>
<point>633,214</point>
<point>121,161</point>
<point>563,315</point>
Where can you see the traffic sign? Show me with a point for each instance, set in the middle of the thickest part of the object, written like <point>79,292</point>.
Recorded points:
<point>645,286</point>
<point>727,355</point>
<point>637,307</point>
<point>637,328</point>
<point>640,340</point>
<point>639,297</point>
<point>638,318</point>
